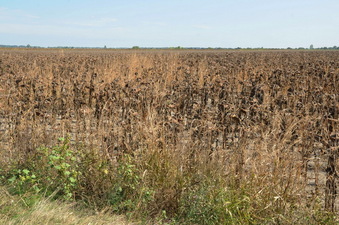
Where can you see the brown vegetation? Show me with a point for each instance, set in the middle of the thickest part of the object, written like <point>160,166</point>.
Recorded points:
<point>260,121</point>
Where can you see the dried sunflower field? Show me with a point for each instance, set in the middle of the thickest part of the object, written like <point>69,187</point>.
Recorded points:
<point>193,136</point>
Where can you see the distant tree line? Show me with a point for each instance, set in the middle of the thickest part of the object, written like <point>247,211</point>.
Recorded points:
<point>334,47</point>
<point>177,47</point>
<point>19,46</point>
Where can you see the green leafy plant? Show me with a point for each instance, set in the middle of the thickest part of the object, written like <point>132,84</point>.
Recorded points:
<point>60,167</point>
<point>52,169</point>
<point>127,182</point>
<point>23,180</point>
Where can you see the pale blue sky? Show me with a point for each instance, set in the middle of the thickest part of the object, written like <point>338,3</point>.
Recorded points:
<point>187,23</point>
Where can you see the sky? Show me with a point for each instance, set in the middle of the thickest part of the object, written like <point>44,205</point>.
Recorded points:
<point>170,23</point>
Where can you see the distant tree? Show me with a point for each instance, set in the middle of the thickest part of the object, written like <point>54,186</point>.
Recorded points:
<point>28,46</point>
<point>289,48</point>
<point>105,46</point>
<point>135,47</point>
<point>311,47</point>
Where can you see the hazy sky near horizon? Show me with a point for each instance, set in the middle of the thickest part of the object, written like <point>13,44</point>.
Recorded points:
<point>187,23</point>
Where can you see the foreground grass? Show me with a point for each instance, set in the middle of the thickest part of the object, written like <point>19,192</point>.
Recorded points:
<point>33,209</point>
<point>154,187</point>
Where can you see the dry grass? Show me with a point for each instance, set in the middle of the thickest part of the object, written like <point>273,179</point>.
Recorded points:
<point>14,210</point>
